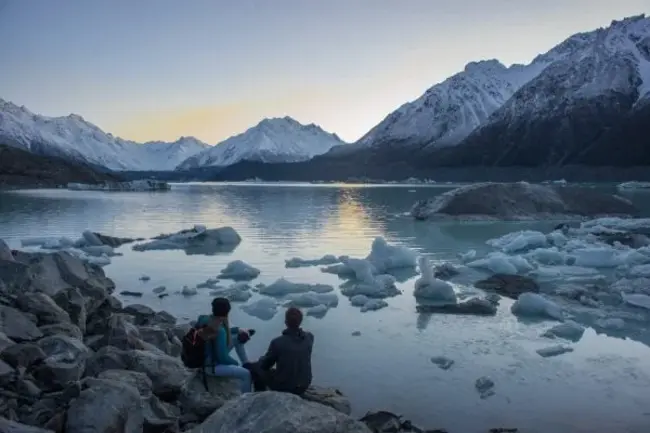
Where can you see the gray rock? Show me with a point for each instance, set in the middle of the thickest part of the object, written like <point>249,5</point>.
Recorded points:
<point>95,292</point>
<point>274,412</point>
<point>43,307</point>
<point>7,426</point>
<point>5,341</point>
<point>167,374</point>
<point>40,413</point>
<point>67,329</point>
<point>160,338</point>
<point>43,272</point>
<point>329,397</point>
<point>474,306</point>
<point>510,286</point>
<point>112,241</point>
<point>5,251</point>
<point>65,361</point>
<point>142,313</point>
<point>17,326</point>
<point>140,381</point>
<point>180,330</point>
<point>106,407</point>
<point>7,373</point>
<point>159,417</point>
<point>107,358</point>
<point>195,399</point>
<point>27,387</point>
<point>120,332</point>
<point>23,355</point>
<point>72,301</point>
<point>388,422</point>
<point>15,277</point>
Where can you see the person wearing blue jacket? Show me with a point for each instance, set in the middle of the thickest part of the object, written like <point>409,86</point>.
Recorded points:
<point>220,339</point>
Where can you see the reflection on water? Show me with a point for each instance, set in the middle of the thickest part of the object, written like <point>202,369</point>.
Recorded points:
<point>603,385</point>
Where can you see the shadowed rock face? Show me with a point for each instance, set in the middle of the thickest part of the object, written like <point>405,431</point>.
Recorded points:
<point>21,168</point>
<point>521,200</point>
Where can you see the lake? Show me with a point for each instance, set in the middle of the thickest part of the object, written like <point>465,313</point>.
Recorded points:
<point>603,386</point>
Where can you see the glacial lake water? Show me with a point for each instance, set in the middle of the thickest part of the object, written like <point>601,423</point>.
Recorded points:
<point>603,386</point>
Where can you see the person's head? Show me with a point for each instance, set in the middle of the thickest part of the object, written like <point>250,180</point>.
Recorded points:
<point>220,307</point>
<point>293,318</point>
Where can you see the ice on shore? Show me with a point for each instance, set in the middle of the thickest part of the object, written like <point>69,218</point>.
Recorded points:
<point>263,308</point>
<point>297,262</point>
<point>431,288</point>
<point>282,287</point>
<point>239,270</point>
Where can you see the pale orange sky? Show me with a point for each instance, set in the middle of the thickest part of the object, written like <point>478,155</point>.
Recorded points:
<point>160,69</point>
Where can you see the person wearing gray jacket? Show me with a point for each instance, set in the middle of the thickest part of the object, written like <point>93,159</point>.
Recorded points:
<point>290,354</point>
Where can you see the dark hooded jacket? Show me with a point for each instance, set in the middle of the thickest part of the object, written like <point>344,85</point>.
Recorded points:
<point>291,355</point>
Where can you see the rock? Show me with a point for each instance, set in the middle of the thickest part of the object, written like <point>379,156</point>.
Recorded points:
<point>474,306</point>
<point>15,277</point>
<point>120,332</point>
<point>106,407</point>
<point>485,387</point>
<point>167,374</point>
<point>139,381</point>
<point>7,426</point>
<point>40,413</point>
<point>5,252</point>
<point>195,399</point>
<point>161,339</point>
<point>65,361</point>
<point>27,387</point>
<point>72,301</point>
<point>67,329</point>
<point>521,200</point>
<point>107,358</point>
<point>159,417</point>
<point>388,422</point>
<point>510,286</point>
<point>142,313</point>
<point>443,362</point>
<point>274,412</point>
<point>43,307</point>
<point>131,293</point>
<point>329,397</point>
<point>7,373</point>
<point>17,326</point>
<point>112,241</point>
<point>23,355</point>
<point>5,341</point>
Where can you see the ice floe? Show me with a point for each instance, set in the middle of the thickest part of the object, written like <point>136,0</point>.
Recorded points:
<point>430,287</point>
<point>557,350</point>
<point>197,240</point>
<point>239,270</point>
<point>535,305</point>
<point>568,330</point>
<point>313,299</point>
<point>237,292</point>
<point>262,308</point>
<point>297,262</point>
<point>282,287</point>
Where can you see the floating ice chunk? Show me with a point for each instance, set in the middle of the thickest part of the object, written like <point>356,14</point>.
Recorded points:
<point>550,273</point>
<point>381,286</point>
<point>468,256</point>
<point>263,308</point>
<point>356,333</point>
<point>521,241</point>
<point>188,291</point>
<point>210,283</point>
<point>159,289</point>
<point>283,287</point>
<point>446,270</point>
<point>614,323</point>
<point>91,239</point>
<point>297,262</point>
<point>359,300</point>
<point>568,330</point>
<point>640,271</point>
<point>145,278</point>
<point>431,288</point>
<point>534,305</point>
<point>317,311</point>
<point>374,305</point>
<point>385,257</point>
<point>637,299</point>
<point>312,299</point>
<point>443,362</point>
<point>197,240</point>
<point>547,352</point>
<point>363,270</point>
<point>98,250</point>
<point>548,256</point>
<point>557,238</point>
<point>239,270</point>
<point>598,257</point>
<point>485,387</point>
<point>500,263</point>
<point>40,241</point>
<point>237,292</point>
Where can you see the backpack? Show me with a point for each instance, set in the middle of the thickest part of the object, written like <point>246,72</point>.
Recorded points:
<point>193,349</point>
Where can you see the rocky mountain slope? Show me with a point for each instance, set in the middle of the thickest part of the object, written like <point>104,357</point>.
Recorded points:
<point>270,141</point>
<point>20,168</point>
<point>71,137</point>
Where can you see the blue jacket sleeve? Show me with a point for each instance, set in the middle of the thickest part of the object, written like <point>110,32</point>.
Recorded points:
<point>223,356</point>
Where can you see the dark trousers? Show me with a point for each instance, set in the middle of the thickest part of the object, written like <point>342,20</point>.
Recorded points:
<point>263,380</point>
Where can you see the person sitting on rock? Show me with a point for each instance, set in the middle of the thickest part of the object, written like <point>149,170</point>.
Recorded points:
<point>290,353</point>
<point>220,339</point>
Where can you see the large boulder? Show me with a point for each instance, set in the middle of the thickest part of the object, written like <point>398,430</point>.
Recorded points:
<point>107,358</point>
<point>23,354</point>
<point>43,307</point>
<point>8,426</point>
<point>72,301</point>
<point>106,407</point>
<point>329,397</point>
<point>167,374</point>
<point>5,341</point>
<point>196,400</point>
<point>139,381</point>
<point>119,332</point>
<point>521,200</point>
<point>273,412</point>
<point>162,339</point>
<point>65,361</point>
<point>17,325</point>
<point>67,329</point>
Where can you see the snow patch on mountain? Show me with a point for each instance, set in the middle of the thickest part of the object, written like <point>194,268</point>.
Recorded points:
<point>271,141</point>
<point>74,138</point>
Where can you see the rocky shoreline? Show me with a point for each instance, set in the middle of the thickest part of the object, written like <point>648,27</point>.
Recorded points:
<point>73,359</point>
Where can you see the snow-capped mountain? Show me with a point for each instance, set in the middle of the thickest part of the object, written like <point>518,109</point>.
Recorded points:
<point>577,110</point>
<point>74,138</point>
<point>272,141</point>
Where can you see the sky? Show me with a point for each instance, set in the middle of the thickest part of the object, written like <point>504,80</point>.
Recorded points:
<point>161,69</point>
